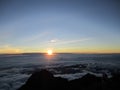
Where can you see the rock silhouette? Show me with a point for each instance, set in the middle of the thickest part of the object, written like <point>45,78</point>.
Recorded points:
<point>44,80</point>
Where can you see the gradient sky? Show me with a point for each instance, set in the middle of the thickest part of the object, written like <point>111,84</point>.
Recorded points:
<point>80,26</point>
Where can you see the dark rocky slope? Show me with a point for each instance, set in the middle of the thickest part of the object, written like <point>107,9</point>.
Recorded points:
<point>44,80</point>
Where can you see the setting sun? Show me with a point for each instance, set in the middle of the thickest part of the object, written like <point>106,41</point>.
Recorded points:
<point>50,52</point>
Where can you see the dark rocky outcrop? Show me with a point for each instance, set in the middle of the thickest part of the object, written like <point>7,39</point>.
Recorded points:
<point>44,80</point>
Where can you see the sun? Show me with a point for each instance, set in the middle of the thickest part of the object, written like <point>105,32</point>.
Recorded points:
<point>49,52</point>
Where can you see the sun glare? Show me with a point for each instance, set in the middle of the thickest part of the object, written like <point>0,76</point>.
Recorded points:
<point>49,52</point>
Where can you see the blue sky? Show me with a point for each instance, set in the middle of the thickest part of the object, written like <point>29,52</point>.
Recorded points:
<point>90,26</point>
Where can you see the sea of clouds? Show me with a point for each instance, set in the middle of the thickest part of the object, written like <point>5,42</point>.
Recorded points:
<point>15,70</point>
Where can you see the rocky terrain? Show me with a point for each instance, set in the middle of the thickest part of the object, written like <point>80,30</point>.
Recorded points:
<point>44,80</point>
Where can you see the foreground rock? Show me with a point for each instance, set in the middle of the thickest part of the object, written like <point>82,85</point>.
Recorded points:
<point>45,80</point>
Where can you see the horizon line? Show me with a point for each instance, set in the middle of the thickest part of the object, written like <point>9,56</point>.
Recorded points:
<point>58,53</point>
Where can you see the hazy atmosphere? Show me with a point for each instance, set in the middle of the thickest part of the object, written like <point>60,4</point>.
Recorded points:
<point>60,44</point>
<point>73,26</point>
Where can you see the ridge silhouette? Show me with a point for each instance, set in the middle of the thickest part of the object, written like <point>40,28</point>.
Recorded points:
<point>44,80</point>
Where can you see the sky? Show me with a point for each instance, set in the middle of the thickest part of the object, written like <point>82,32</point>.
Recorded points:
<point>72,26</point>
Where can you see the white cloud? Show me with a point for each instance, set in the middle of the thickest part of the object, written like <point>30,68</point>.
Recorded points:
<point>53,41</point>
<point>68,41</point>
